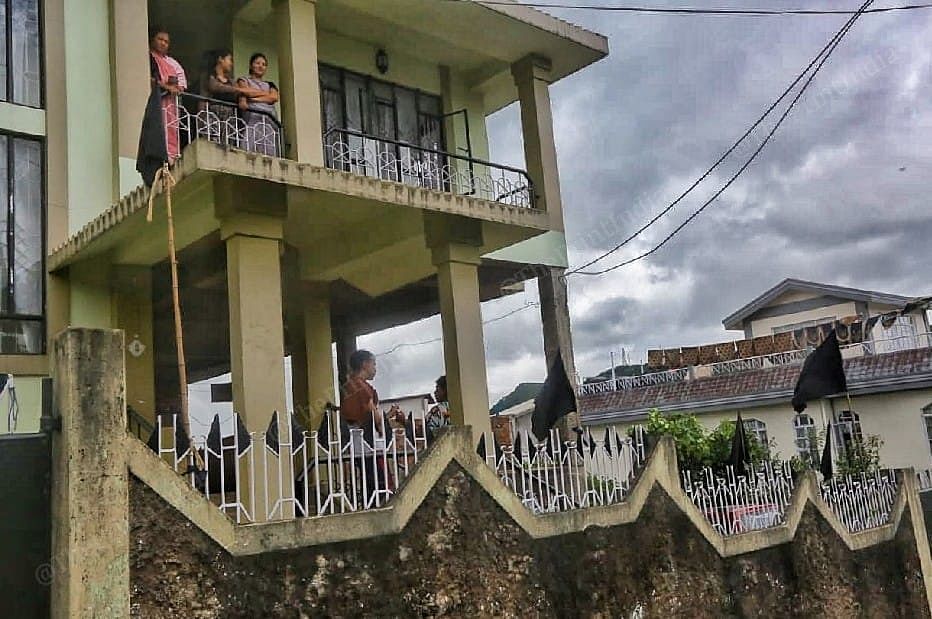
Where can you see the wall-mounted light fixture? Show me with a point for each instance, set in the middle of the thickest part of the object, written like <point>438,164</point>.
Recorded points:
<point>381,61</point>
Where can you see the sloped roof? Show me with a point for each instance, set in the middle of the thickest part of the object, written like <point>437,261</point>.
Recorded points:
<point>896,371</point>
<point>734,320</point>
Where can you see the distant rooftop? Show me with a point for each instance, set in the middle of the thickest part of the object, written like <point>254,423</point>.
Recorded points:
<point>734,320</point>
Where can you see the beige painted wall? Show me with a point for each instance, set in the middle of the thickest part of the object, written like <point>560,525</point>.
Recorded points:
<point>29,397</point>
<point>765,326</point>
<point>895,417</point>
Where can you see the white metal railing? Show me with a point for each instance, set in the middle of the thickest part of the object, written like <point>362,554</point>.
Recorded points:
<point>635,382</point>
<point>892,344</point>
<point>224,123</point>
<point>554,476</point>
<point>792,357</point>
<point>759,362</point>
<point>278,475</point>
<point>862,501</point>
<point>736,504</point>
<point>924,479</point>
<point>411,164</point>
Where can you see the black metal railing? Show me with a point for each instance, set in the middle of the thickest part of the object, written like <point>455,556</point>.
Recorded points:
<point>403,162</point>
<point>137,425</point>
<point>225,123</point>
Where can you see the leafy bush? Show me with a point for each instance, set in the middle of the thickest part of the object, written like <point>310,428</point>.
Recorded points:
<point>697,447</point>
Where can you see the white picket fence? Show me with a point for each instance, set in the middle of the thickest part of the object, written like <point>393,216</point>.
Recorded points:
<point>555,475</point>
<point>289,472</point>
<point>735,504</point>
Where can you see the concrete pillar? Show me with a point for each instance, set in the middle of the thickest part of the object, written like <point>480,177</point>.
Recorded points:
<point>133,308</point>
<point>257,341</point>
<point>531,76</point>
<point>257,347</point>
<point>555,319</point>
<point>90,502</point>
<point>463,347</point>
<point>318,339</point>
<point>130,69</point>
<point>345,338</point>
<point>299,83</point>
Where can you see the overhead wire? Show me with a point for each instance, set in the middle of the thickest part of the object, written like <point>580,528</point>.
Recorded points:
<point>818,61</point>
<point>438,339</point>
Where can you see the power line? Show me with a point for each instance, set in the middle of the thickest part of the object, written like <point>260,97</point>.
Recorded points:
<point>438,339</point>
<point>724,12</point>
<point>824,54</point>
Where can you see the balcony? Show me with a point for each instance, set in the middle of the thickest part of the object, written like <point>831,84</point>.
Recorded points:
<point>352,152</point>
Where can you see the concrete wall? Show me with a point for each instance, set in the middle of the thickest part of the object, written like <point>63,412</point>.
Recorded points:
<point>461,555</point>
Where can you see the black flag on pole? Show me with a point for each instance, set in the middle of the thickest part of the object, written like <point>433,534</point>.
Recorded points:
<point>153,152</point>
<point>825,467</point>
<point>823,374</point>
<point>740,451</point>
<point>555,400</point>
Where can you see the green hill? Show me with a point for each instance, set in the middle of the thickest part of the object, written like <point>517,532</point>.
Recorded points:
<point>522,393</point>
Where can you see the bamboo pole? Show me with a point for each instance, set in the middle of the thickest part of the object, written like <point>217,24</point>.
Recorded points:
<point>168,182</point>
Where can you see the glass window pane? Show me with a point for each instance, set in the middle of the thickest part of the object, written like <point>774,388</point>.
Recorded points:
<point>27,227</point>
<point>20,337</point>
<point>24,65</point>
<point>407,115</point>
<point>4,216</point>
<point>355,103</point>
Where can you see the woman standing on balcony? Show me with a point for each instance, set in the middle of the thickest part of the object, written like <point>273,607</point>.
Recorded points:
<point>169,75</point>
<point>218,85</point>
<point>262,128</point>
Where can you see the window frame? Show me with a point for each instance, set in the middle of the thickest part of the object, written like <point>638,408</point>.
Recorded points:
<point>757,427</point>
<point>42,318</point>
<point>8,26</point>
<point>926,415</point>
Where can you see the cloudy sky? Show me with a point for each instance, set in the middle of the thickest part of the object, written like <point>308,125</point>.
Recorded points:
<point>841,195</point>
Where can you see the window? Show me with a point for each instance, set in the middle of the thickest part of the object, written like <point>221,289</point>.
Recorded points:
<point>368,123</point>
<point>807,446</point>
<point>22,246</point>
<point>849,429</point>
<point>802,325</point>
<point>901,335</point>
<point>758,429</point>
<point>20,58</point>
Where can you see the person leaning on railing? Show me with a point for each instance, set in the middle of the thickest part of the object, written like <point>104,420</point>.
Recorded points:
<point>168,74</point>
<point>258,105</point>
<point>218,85</point>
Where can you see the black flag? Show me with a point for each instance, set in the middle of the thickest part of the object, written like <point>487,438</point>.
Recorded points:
<point>153,152</point>
<point>826,465</point>
<point>214,436</point>
<point>823,374</point>
<point>271,434</point>
<point>555,400</point>
<point>740,452</point>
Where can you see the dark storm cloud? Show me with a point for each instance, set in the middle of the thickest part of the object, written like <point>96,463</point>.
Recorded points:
<point>826,200</point>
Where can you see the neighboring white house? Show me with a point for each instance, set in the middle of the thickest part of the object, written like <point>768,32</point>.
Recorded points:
<point>889,372</point>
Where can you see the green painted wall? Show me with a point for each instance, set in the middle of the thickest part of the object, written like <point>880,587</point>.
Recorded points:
<point>92,167</point>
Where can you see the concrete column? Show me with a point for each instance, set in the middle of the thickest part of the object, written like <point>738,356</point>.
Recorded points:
<point>345,338</point>
<point>463,347</point>
<point>133,305</point>
<point>318,339</point>
<point>130,76</point>
<point>555,319</point>
<point>531,76</point>
<point>257,345</point>
<point>257,341</point>
<point>90,502</point>
<point>299,83</point>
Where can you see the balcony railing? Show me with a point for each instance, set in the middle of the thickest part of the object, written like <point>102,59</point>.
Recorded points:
<point>635,382</point>
<point>402,162</point>
<point>224,123</point>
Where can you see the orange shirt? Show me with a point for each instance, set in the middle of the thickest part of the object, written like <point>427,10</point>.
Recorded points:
<point>357,393</point>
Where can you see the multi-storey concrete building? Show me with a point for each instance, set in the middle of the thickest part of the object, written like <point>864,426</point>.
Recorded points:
<point>372,204</point>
